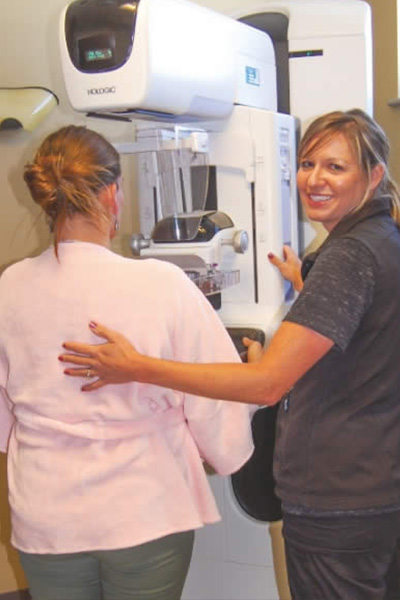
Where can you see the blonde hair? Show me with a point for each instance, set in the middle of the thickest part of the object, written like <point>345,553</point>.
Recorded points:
<point>68,171</point>
<point>369,142</point>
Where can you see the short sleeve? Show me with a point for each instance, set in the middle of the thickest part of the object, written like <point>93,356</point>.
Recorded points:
<point>337,291</point>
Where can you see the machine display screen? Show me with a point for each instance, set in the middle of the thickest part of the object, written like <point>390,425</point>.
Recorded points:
<point>98,54</point>
<point>99,33</point>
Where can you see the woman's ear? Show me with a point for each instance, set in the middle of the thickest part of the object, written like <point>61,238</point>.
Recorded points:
<point>108,198</point>
<point>377,174</point>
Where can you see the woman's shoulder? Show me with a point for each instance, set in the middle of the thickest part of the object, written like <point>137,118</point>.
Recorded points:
<point>154,267</point>
<point>343,255</point>
<point>15,270</point>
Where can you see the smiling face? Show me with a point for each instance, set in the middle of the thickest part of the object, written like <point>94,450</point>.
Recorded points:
<point>330,181</point>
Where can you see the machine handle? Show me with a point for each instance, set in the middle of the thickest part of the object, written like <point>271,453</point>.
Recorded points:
<point>138,242</point>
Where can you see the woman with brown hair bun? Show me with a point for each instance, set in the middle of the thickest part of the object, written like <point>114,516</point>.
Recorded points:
<point>105,494</point>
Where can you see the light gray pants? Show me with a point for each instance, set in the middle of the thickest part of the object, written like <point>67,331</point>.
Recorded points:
<point>153,571</point>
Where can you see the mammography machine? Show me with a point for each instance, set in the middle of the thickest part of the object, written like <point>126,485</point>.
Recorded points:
<point>217,101</point>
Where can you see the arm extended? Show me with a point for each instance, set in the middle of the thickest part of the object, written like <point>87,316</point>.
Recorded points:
<point>293,350</point>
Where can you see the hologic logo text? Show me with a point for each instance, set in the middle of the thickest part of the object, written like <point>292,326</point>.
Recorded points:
<point>102,90</point>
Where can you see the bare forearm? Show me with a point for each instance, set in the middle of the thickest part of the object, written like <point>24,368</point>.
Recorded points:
<point>291,353</point>
<point>237,382</point>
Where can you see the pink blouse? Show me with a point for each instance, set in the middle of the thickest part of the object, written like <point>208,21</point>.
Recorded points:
<point>122,465</point>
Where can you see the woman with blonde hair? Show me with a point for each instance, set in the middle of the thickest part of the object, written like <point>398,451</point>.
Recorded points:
<point>105,495</point>
<point>333,364</point>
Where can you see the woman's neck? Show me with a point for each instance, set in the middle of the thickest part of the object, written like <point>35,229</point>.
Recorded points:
<point>81,229</point>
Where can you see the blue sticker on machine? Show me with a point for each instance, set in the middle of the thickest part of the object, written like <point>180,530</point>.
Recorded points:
<point>252,76</point>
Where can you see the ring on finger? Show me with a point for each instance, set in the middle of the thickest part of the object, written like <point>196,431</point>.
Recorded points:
<point>89,373</point>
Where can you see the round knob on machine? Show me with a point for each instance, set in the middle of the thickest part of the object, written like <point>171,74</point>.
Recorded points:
<point>240,241</point>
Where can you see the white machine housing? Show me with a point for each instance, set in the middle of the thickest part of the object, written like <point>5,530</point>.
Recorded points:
<point>323,51</point>
<point>168,57</point>
<point>254,152</point>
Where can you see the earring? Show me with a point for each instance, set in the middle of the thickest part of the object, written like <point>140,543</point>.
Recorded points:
<point>116,225</point>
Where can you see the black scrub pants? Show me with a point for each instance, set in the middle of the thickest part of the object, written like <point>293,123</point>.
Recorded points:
<point>343,558</point>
